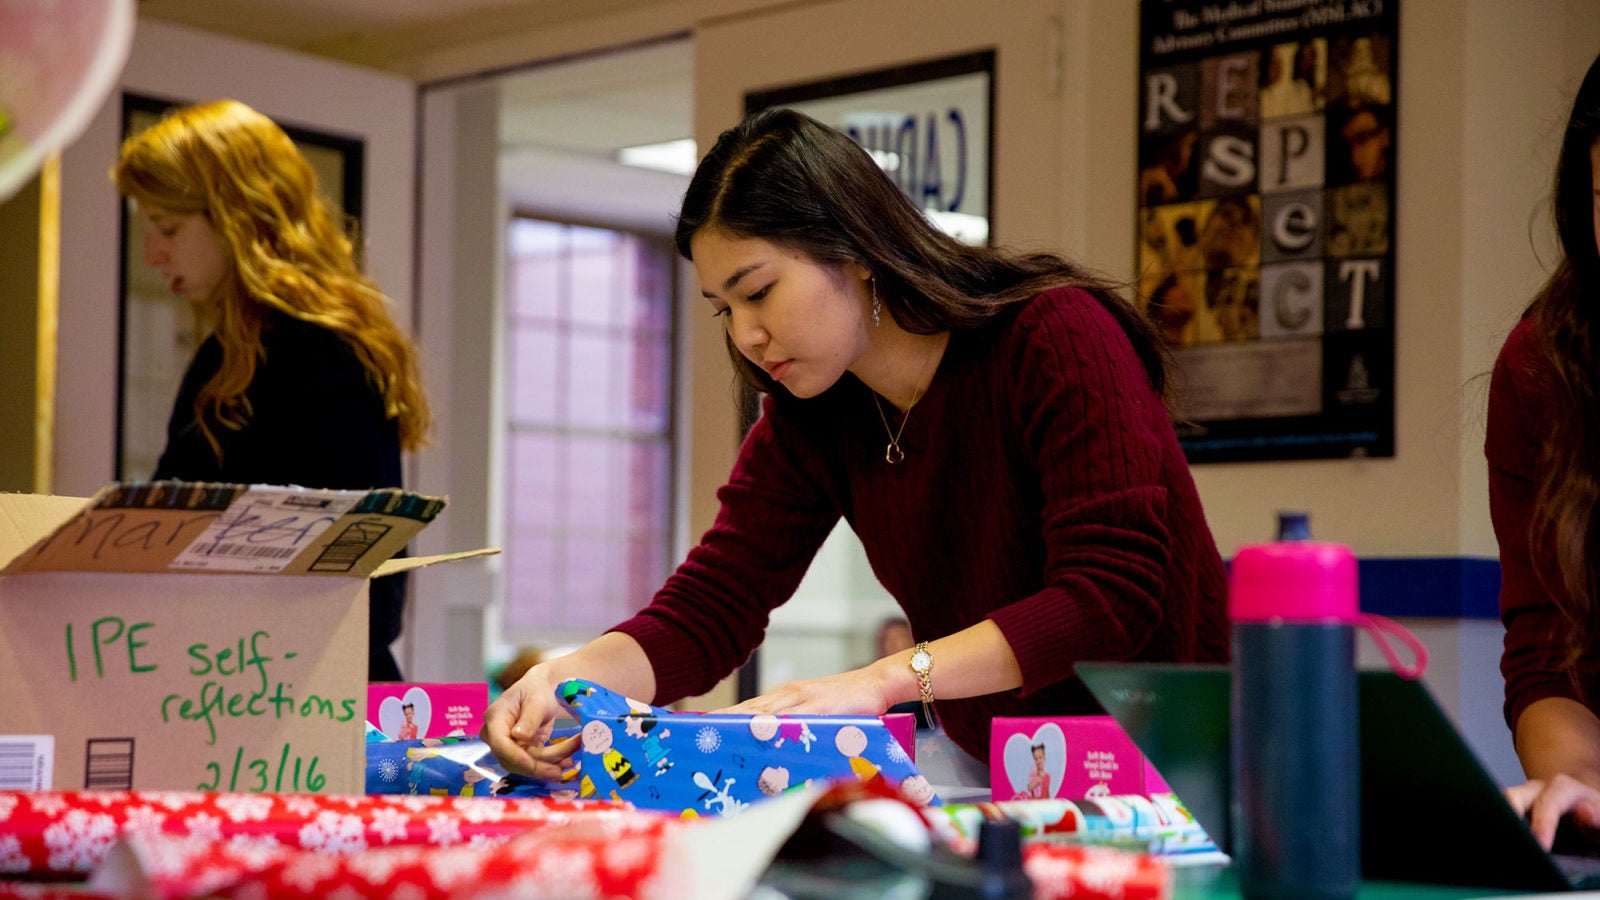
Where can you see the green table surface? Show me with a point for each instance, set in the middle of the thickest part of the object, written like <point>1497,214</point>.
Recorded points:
<point>1217,882</point>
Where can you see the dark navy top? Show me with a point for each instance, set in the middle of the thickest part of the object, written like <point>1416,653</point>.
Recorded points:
<point>316,420</point>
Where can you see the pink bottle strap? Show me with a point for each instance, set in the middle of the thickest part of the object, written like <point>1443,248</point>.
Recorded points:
<point>1381,629</point>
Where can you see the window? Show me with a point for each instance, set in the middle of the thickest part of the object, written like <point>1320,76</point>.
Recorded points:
<point>589,426</point>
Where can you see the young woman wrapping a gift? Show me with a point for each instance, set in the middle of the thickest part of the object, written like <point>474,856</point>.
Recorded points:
<point>989,423</point>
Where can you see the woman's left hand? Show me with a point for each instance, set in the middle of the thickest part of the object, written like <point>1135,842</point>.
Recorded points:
<point>1545,802</point>
<point>857,692</point>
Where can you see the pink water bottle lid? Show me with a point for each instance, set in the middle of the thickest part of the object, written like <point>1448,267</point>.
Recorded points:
<point>1303,581</point>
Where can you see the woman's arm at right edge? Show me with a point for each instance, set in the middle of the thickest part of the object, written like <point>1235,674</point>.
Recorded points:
<point>1558,741</point>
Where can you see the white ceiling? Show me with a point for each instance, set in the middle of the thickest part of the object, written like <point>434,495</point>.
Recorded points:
<point>561,123</point>
<point>380,33</point>
<point>636,96</point>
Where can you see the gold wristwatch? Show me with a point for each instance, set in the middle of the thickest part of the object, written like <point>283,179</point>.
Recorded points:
<point>922,666</point>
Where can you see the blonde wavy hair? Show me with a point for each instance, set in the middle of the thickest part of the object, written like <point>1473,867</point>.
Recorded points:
<point>285,251</point>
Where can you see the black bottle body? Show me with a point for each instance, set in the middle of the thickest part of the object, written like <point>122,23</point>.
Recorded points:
<point>1296,761</point>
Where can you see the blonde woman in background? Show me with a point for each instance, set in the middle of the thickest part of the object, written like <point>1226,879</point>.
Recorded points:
<point>302,377</point>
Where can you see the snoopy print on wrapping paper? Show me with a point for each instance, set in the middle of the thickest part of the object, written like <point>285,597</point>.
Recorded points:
<point>729,805</point>
<point>653,742</point>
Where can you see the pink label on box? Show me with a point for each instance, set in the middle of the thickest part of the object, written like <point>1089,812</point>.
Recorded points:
<point>1065,756</point>
<point>903,726</point>
<point>435,710</point>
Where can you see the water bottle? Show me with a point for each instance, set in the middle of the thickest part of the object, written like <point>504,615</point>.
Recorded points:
<point>1296,777</point>
<point>1294,526</point>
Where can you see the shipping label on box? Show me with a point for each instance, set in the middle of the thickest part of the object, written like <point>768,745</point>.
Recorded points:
<point>1071,757</point>
<point>408,712</point>
<point>173,635</point>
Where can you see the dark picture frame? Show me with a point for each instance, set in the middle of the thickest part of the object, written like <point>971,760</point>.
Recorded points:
<point>917,119</point>
<point>1265,233</point>
<point>156,331</point>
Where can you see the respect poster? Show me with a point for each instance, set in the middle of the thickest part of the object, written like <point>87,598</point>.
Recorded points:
<point>1266,222</point>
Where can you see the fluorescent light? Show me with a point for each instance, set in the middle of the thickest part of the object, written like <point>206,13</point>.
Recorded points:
<point>678,157</point>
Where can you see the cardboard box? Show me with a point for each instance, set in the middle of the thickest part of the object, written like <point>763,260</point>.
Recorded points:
<point>436,710</point>
<point>1071,757</point>
<point>190,636</point>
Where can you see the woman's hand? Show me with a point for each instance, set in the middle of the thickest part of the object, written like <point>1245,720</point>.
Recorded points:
<point>1545,801</point>
<point>517,725</point>
<point>857,692</point>
<point>1558,741</point>
<point>517,728</point>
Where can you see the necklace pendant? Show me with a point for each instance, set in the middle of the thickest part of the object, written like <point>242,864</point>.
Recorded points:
<point>893,454</point>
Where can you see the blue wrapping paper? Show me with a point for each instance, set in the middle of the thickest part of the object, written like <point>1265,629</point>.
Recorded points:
<point>717,764</point>
<point>454,767</point>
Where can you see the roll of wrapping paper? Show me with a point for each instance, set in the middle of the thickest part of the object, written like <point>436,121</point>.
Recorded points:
<point>1156,824</point>
<point>72,831</point>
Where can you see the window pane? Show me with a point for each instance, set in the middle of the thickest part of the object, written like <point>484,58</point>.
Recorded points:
<point>648,364</point>
<point>588,450</point>
<point>589,592</point>
<point>532,467</point>
<point>647,566</point>
<point>652,280</point>
<point>534,253</point>
<point>591,482</point>
<point>533,392</point>
<point>531,579</point>
<point>589,373</point>
<point>648,482</point>
<point>535,288</point>
<point>534,237</point>
<point>595,286</point>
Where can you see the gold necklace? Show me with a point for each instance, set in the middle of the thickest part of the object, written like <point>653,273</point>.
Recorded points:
<point>892,452</point>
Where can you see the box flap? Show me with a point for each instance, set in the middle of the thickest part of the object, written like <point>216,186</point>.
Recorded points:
<point>175,526</point>
<point>406,564</point>
<point>26,519</point>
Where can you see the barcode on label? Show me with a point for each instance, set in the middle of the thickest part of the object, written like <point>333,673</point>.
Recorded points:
<point>244,551</point>
<point>342,554</point>
<point>108,764</point>
<point>26,761</point>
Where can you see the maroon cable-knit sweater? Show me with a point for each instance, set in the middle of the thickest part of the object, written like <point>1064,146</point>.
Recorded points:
<point>1521,403</point>
<point>1043,488</point>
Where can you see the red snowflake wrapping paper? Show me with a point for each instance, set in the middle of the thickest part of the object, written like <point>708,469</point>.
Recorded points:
<point>68,832</point>
<point>608,854</point>
<point>189,845</point>
<point>1094,873</point>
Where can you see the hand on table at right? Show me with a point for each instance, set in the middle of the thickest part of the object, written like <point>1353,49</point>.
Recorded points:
<point>1544,802</point>
<point>518,724</point>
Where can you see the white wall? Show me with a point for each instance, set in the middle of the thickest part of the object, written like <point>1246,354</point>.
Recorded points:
<point>462,223</point>
<point>177,63</point>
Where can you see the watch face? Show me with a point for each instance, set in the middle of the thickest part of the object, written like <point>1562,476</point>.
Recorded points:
<point>921,661</point>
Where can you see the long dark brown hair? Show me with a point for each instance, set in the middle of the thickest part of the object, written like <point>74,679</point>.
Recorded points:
<point>1566,318</point>
<point>784,177</point>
